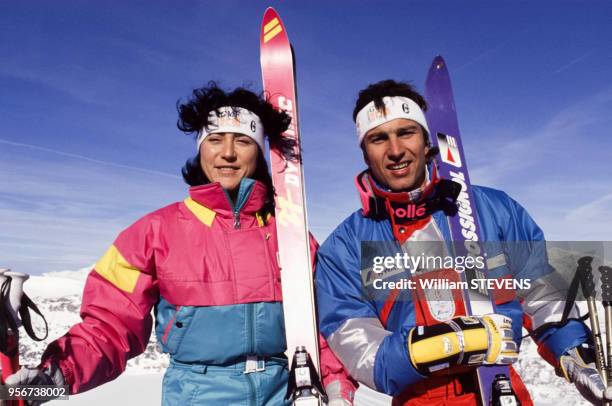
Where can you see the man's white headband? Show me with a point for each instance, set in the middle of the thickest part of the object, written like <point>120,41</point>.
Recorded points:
<point>395,107</point>
<point>229,119</point>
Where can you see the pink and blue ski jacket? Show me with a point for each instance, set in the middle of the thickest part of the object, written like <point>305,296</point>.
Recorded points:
<point>377,355</point>
<point>209,271</point>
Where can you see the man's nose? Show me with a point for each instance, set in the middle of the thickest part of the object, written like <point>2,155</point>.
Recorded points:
<point>395,149</point>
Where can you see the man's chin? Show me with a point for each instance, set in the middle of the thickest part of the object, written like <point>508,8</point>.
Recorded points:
<point>401,186</point>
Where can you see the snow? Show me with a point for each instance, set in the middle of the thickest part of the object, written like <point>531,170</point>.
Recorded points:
<point>131,388</point>
<point>58,295</point>
<point>57,284</point>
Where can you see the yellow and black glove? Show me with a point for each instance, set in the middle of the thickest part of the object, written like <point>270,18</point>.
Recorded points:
<point>467,341</point>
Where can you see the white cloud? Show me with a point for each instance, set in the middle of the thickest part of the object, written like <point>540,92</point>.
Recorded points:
<point>559,171</point>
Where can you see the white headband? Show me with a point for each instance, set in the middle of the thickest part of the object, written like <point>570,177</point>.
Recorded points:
<point>229,119</point>
<point>395,107</point>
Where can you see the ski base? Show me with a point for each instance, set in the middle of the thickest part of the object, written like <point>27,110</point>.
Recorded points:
<point>304,383</point>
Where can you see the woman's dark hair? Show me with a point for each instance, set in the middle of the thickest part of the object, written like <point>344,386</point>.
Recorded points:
<point>193,117</point>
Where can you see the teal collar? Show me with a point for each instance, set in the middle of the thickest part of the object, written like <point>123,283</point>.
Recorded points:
<point>244,191</point>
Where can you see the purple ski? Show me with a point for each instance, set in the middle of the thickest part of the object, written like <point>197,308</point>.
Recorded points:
<point>465,228</point>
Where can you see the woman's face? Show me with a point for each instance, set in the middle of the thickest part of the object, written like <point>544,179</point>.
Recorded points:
<point>227,158</point>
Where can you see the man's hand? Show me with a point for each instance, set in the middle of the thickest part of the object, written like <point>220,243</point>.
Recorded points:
<point>470,341</point>
<point>578,367</point>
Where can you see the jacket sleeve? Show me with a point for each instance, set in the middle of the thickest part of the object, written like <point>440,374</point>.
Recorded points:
<point>544,302</point>
<point>116,312</point>
<point>372,355</point>
<point>334,376</point>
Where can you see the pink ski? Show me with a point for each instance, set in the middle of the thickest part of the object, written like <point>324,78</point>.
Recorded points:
<point>278,71</point>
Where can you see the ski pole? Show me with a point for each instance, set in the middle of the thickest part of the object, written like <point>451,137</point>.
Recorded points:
<point>606,295</point>
<point>11,293</point>
<point>588,289</point>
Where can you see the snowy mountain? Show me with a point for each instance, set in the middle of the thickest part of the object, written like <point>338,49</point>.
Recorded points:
<point>58,296</point>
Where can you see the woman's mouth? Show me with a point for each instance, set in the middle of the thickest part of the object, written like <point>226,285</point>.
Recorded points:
<point>227,169</point>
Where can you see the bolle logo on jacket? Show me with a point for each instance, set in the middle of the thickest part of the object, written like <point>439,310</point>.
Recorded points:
<point>410,211</point>
<point>466,214</point>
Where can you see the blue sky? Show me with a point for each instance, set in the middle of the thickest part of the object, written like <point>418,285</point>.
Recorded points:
<point>88,141</point>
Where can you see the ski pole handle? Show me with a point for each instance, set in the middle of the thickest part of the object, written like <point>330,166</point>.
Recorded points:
<point>585,272</point>
<point>13,282</point>
<point>16,293</point>
<point>606,295</point>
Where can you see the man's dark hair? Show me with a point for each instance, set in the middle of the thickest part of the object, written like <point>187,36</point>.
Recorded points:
<point>376,91</point>
<point>193,116</point>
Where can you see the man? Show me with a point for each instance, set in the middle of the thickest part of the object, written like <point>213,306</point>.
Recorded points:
<point>376,336</point>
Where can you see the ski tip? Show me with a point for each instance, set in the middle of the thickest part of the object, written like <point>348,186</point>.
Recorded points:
<point>438,80</point>
<point>438,63</point>
<point>271,26</point>
<point>270,13</point>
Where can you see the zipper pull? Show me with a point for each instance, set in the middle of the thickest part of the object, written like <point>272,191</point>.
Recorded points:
<point>236,219</point>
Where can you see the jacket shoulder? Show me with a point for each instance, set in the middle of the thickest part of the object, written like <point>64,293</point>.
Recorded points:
<point>349,234</point>
<point>349,226</point>
<point>490,193</point>
<point>493,199</point>
<point>156,218</point>
<point>511,218</point>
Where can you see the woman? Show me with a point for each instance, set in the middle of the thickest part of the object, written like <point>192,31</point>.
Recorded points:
<point>208,267</point>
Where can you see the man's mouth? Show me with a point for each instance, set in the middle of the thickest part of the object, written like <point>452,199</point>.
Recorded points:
<point>398,166</point>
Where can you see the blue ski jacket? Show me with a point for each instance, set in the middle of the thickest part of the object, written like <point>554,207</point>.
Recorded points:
<point>378,356</point>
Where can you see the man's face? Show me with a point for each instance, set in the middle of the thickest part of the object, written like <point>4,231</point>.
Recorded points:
<point>396,154</point>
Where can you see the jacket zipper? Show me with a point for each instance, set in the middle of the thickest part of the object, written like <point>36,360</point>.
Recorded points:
<point>251,350</point>
<point>236,220</point>
<point>251,328</point>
